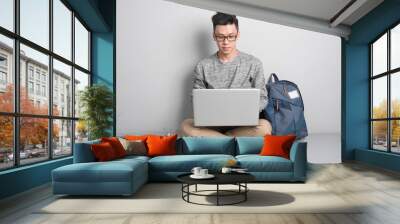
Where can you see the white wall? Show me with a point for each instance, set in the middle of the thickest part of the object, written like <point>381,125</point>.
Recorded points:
<point>160,42</point>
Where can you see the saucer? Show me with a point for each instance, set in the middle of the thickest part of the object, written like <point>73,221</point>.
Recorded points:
<point>208,176</point>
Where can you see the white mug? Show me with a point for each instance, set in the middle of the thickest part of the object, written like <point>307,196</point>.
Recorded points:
<point>203,172</point>
<point>196,171</point>
<point>226,170</point>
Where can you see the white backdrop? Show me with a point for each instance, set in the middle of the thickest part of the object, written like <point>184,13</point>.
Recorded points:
<point>160,42</point>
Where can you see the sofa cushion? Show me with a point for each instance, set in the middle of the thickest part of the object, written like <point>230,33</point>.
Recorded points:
<point>257,163</point>
<point>111,171</point>
<point>185,163</point>
<point>249,145</point>
<point>207,145</point>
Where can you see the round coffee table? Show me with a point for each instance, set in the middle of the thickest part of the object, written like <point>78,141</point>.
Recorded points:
<point>238,179</point>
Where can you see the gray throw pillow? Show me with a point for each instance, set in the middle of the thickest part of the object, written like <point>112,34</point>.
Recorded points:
<point>137,147</point>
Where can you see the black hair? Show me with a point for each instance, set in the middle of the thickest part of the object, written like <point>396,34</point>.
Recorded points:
<point>224,19</point>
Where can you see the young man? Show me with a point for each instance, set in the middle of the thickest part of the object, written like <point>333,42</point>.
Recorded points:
<point>229,68</point>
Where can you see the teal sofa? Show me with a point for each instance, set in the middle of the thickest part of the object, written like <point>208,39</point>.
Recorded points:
<point>125,176</point>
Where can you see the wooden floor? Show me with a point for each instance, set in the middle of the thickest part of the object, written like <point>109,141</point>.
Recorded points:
<point>377,188</point>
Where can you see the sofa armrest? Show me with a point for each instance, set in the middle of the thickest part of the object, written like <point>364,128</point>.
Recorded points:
<point>298,155</point>
<point>83,152</point>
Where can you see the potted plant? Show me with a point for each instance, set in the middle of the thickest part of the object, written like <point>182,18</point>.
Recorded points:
<point>96,102</point>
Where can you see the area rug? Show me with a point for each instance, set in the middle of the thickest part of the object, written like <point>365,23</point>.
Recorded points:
<point>167,198</point>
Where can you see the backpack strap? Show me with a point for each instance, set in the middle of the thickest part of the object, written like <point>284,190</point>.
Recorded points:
<point>274,77</point>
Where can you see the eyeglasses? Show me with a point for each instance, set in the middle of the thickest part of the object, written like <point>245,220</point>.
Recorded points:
<point>221,38</point>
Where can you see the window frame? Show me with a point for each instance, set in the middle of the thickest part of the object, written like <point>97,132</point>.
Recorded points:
<point>388,74</point>
<point>16,114</point>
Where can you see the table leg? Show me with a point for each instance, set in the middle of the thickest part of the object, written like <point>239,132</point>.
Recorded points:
<point>245,193</point>
<point>217,194</point>
<point>196,188</point>
<point>188,190</point>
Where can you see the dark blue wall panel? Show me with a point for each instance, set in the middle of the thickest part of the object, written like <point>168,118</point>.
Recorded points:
<point>24,178</point>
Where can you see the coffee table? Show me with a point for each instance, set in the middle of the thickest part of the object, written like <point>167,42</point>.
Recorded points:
<point>238,179</point>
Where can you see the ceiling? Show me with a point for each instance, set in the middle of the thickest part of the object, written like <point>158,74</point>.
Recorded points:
<point>326,16</point>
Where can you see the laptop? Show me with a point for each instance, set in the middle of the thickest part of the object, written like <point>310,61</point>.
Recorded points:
<point>226,107</point>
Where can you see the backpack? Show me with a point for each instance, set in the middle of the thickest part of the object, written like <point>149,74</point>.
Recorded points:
<point>285,108</point>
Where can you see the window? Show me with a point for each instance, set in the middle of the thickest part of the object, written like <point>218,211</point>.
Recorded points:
<point>44,131</point>
<point>62,137</point>
<point>81,81</point>
<point>61,74</point>
<point>81,45</point>
<point>7,14</point>
<point>6,142</point>
<point>34,21</point>
<point>62,29</point>
<point>37,75</point>
<point>3,61</point>
<point>3,78</point>
<point>30,87</point>
<point>30,72</point>
<point>37,89</point>
<point>385,91</point>
<point>6,73</point>
<point>44,91</point>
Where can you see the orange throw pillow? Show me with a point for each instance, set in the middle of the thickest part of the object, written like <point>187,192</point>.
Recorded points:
<point>116,145</point>
<point>161,145</point>
<point>103,152</point>
<point>275,145</point>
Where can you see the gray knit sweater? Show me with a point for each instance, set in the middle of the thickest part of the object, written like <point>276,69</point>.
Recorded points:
<point>244,71</point>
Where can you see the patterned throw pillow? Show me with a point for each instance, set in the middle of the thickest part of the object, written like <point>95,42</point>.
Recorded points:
<point>134,147</point>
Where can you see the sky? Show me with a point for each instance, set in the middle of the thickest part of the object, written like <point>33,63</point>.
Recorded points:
<point>35,27</point>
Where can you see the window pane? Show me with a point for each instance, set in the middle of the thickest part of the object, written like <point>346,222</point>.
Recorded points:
<point>62,137</point>
<point>33,139</point>
<point>7,14</point>
<point>6,142</point>
<point>379,55</point>
<point>379,135</point>
<point>395,94</point>
<point>395,129</point>
<point>35,21</point>
<point>395,47</point>
<point>81,45</point>
<point>81,131</point>
<point>379,97</point>
<point>62,89</point>
<point>6,74</point>
<point>34,82</point>
<point>62,29</point>
<point>81,81</point>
